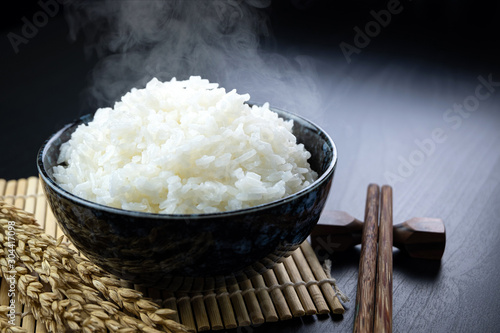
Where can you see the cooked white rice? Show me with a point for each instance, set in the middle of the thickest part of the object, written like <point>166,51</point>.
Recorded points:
<point>184,147</point>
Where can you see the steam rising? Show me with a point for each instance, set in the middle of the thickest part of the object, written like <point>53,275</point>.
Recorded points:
<point>220,40</point>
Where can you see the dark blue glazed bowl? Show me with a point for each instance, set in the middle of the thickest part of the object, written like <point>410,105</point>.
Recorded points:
<point>149,249</point>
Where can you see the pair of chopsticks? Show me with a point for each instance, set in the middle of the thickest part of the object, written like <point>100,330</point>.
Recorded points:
<point>374,294</point>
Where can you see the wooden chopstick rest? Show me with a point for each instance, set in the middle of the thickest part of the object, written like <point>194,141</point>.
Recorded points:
<point>383,291</point>
<point>419,237</point>
<point>365,296</point>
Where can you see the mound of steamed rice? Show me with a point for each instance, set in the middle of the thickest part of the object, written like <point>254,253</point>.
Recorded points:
<point>184,147</point>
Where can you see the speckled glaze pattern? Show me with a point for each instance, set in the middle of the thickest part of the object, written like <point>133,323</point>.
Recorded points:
<point>148,249</point>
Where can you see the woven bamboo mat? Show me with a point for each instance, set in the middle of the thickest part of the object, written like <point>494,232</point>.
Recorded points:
<point>296,287</point>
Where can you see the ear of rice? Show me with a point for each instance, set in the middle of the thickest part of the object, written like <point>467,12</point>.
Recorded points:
<point>184,147</point>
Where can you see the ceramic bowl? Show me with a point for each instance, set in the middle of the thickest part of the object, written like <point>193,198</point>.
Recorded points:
<point>149,249</point>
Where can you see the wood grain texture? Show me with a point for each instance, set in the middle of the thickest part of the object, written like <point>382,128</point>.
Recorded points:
<point>365,295</point>
<point>383,292</point>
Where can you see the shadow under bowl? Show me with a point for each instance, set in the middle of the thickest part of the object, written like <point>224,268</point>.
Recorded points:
<point>149,249</point>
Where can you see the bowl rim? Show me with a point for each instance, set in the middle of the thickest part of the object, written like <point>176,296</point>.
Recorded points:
<point>137,214</point>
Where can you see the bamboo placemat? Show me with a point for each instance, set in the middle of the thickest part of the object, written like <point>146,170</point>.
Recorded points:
<point>296,287</point>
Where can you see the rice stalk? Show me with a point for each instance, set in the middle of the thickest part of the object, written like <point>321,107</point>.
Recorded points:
<point>67,292</point>
<point>5,326</point>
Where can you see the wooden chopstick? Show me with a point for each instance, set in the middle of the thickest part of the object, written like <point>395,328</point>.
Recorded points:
<point>383,292</point>
<point>365,296</point>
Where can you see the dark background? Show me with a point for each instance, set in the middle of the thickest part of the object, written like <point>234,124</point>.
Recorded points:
<point>392,94</point>
<point>462,35</point>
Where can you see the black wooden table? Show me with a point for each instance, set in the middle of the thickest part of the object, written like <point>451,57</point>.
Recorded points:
<point>417,108</point>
